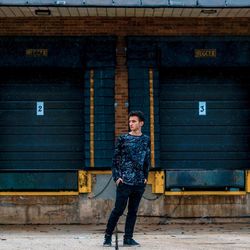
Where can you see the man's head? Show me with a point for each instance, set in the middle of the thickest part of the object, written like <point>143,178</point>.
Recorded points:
<point>136,120</point>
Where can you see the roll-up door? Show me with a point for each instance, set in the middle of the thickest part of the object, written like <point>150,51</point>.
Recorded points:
<point>42,128</point>
<point>204,118</point>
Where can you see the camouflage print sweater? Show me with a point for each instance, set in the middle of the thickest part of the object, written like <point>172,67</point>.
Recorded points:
<point>131,159</point>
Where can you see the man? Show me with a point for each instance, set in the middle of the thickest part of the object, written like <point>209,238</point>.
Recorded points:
<point>130,168</point>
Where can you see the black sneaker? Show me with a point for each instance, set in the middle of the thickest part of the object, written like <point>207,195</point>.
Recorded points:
<point>130,242</point>
<point>107,241</point>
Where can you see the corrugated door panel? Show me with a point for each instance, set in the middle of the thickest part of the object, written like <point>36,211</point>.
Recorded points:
<point>217,140</point>
<point>52,141</point>
<point>104,118</point>
<point>139,93</point>
<point>139,99</point>
<point>39,180</point>
<point>205,180</point>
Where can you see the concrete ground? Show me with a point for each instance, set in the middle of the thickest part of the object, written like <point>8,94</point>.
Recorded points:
<point>172,237</point>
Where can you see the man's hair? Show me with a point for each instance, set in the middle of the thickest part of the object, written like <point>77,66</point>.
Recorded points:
<point>139,114</point>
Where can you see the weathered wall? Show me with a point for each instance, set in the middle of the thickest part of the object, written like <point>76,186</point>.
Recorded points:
<point>86,208</point>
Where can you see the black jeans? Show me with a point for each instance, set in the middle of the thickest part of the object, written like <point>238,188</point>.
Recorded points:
<point>125,194</point>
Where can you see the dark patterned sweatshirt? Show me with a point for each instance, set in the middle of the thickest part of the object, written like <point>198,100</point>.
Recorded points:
<point>131,160</point>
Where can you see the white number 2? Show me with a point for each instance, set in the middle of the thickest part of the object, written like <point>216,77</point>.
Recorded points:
<point>40,108</point>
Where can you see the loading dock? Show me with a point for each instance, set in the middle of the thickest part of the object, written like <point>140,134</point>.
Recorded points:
<point>46,111</point>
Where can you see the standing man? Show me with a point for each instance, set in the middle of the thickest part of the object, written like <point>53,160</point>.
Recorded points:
<point>130,168</point>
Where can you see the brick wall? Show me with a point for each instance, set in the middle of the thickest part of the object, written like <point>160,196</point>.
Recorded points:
<point>124,26</point>
<point>121,88</point>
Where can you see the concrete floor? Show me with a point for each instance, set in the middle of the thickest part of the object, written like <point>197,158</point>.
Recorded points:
<point>169,237</point>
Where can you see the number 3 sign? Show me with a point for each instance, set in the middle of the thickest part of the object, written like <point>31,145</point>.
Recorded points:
<point>202,108</point>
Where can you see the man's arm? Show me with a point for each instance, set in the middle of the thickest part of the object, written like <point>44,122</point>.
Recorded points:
<point>146,165</point>
<point>116,162</point>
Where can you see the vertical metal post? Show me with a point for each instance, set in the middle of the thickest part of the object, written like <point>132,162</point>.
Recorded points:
<point>247,181</point>
<point>92,119</point>
<point>116,238</point>
<point>152,123</point>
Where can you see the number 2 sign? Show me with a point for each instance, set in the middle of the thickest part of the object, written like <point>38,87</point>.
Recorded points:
<point>40,108</point>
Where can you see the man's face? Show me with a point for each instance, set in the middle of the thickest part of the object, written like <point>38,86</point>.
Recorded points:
<point>135,124</point>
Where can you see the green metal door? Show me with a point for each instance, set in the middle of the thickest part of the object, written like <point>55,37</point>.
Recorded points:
<point>41,149</point>
<point>215,136</point>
